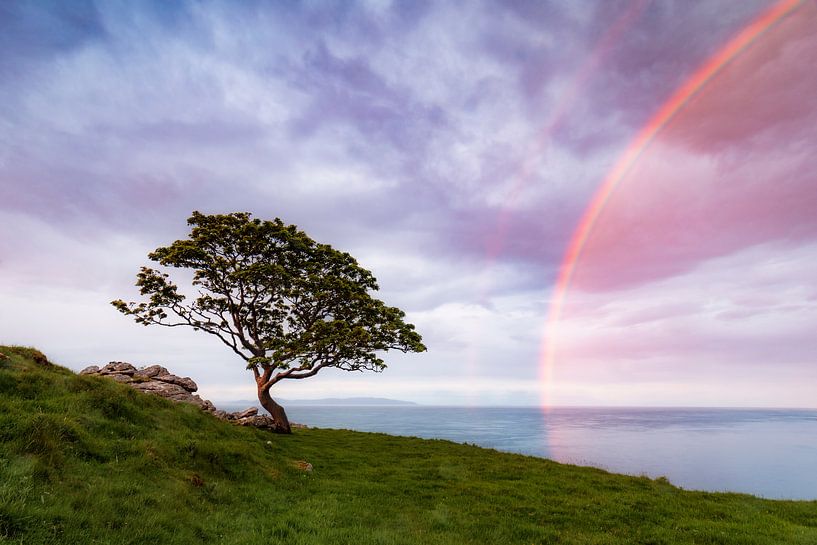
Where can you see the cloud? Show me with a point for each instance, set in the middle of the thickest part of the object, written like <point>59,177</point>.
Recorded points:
<point>745,317</point>
<point>38,32</point>
<point>763,99</point>
<point>452,148</point>
<point>677,209</point>
<point>733,170</point>
<point>357,115</point>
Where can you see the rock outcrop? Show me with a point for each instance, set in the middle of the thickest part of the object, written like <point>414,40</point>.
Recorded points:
<point>154,380</point>
<point>157,380</point>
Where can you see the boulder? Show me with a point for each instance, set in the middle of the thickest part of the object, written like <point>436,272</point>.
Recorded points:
<point>152,371</point>
<point>164,389</point>
<point>185,382</point>
<point>118,368</point>
<point>90,370</point>
<point>258,421</point>
<point>250,411</point>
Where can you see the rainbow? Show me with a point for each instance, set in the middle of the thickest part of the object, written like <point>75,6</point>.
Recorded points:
<point>625,163</point>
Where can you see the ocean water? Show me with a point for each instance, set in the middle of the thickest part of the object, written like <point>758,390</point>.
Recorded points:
<point>768,453</point>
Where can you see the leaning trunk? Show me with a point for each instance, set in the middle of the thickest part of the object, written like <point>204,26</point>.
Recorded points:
<point>277,412</point>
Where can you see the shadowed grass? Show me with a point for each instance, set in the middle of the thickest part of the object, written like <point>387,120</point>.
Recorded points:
<point>87,460</point>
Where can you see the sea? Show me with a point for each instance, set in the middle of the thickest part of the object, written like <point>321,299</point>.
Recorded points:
<point>767,453</point>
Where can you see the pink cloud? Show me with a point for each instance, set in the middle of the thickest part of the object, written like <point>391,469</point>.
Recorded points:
<point>763,94</point>
<point>743,317</point>
<point>734,169</point>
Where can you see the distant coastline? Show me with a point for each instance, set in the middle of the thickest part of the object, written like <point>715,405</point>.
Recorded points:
<point>325,402</point>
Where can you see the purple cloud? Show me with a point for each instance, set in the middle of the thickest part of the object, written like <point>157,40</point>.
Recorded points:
<point>452,147</point>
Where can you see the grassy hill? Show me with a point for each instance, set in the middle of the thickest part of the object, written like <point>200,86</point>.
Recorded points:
<point>87,460</point>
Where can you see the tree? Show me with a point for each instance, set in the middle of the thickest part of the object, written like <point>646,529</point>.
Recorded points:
<point>284,303</point>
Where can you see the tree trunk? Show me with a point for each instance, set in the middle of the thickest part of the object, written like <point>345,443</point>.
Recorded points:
<point>276,411</point>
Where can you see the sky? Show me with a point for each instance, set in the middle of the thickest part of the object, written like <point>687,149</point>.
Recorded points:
<point>453,150</point>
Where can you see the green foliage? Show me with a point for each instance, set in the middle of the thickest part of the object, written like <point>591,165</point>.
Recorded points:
<point>277,298</point>
<point>74,470</point>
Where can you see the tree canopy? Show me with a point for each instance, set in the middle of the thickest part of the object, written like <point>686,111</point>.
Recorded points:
<point>284,303</point>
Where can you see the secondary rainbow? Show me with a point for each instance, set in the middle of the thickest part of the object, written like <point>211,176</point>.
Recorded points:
<point>663,116</point>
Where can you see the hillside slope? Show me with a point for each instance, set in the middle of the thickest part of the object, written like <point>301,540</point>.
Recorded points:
<point>87,460</point>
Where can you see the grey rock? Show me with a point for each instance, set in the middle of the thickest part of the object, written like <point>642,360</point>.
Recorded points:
<point>163,389</point>
<point>152,371</point>
<point>118,368</point>
<point>258,421</point>
<point>250,411</point>
<point>185,382</point>
<point>121,378</point>
<point>90,370</point>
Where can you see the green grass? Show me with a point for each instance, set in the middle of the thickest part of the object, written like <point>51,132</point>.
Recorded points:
<point>87,460</point>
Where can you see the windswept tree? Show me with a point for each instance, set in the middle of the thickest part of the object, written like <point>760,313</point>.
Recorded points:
<point>287,305</point>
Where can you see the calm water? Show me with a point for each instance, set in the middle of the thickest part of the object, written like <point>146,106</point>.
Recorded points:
<point>770,453</point>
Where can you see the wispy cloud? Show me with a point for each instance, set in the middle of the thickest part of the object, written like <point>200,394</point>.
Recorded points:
<point>419,136</point>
